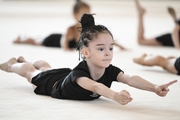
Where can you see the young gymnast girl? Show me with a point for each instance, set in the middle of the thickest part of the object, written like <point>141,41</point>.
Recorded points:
<point>169,39</point>
<point>91,78</point>
<point>171,64</point>
<point>67,41</point>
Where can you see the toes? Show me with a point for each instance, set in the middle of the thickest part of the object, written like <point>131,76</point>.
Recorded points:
<point>5,66</point>
<point>21,59</point>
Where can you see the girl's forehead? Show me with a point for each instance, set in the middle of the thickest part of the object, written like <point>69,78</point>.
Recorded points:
<point>103,38</point>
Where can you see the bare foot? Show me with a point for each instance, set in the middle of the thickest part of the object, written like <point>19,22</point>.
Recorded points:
<point>172,13</point>
<point>21,59</point>
<point>170,57</point>
<point>140,60</point>
<point>6,66</point>
<point>18,40</point>
<point>140,9</point>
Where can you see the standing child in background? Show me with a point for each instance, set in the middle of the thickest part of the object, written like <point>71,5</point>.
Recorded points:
<point>169,39</point>
<point>91,78</point>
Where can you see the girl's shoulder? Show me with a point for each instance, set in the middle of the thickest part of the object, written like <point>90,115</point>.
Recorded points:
<point>113,69</point>
<point>82,66</point>
<point>72,27</point>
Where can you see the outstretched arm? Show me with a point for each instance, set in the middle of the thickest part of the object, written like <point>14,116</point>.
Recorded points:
<point>120,46</point>
<point>122,97</point>
<point>175,36</point>
<point>140,83</point>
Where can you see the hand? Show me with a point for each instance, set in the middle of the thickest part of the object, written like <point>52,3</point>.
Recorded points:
<point>162,90</point>
<point>123,97</point>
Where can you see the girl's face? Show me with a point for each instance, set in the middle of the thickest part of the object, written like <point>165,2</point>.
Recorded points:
<point>81,11</point>
<point>100,50</point>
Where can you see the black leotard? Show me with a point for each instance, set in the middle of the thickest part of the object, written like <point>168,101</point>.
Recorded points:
<point>166,39</point>
<point>54,40</point>
<point>177,65</point>
<point>65,82</point>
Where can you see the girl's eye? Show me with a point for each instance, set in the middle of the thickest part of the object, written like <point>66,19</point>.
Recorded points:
<point>111,49</point>
<point>100,49</point>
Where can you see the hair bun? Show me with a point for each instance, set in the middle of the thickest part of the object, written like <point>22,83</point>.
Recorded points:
<point>87,20</point>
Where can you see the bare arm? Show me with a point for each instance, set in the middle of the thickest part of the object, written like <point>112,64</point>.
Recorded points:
<point>136,81</point>
<point>140,83</point>
<point>120,46</point>
<point>68,36</point>
<point>102,90</point>
<point>175,36</point>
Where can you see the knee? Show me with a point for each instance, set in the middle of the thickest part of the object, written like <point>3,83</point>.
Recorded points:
<point>140,42</point>
<point>40,63</point>
<point>28,70</point>
<point>160,58</point>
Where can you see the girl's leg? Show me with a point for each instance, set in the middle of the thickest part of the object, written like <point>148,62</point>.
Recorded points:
<point>175,32</point>
<point>173,14</point>
<point>26,41</point>
<point>141,39</point>
<point>39,65</point>
<point>165,63</point>
<point>25,70</point>
<point>148,60</point>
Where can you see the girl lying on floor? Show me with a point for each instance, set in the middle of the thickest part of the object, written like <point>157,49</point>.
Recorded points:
<point>91,78</point>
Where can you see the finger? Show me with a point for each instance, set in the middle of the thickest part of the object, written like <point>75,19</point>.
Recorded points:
<point>126,102</point>
<point>130,99</point>
<point>127,93</point>
<point>172,82</point>
<point>164,88</point>
<point>127,96</point>
<point>163,93</point>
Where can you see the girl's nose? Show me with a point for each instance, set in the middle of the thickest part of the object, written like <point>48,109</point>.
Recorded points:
<point>107,53</point>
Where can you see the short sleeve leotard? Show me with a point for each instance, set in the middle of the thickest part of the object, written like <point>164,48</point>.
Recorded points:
<point>66,87</point>
<point>54,40</point>
<point>166,39</point>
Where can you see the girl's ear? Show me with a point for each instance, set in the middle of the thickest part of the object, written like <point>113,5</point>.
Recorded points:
<point>85,52</point>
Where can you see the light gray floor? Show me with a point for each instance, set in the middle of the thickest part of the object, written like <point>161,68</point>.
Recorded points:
<point>38,18</point>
